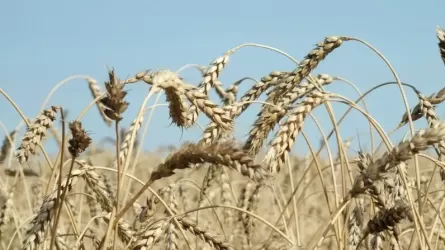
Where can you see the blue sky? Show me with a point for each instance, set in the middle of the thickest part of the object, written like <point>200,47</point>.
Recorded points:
<point>44,42</point>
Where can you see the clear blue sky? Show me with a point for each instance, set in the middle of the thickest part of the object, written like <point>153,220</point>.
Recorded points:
<point>45,41</point>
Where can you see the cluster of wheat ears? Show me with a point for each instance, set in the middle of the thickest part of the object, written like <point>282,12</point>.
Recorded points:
<point>217,193</point>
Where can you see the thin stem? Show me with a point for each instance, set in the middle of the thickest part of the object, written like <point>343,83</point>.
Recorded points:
<point>59,185</point>
<point>119,176</point>
<point>410,122</point>
<point>119,170</point>
<point>294,202</point>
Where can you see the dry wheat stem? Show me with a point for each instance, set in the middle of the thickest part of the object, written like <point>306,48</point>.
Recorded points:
<point>60,84</point>
<point>139,149</point>
<point>201,68</point>
<point>114,101</point>
<point>412,131</point>
<point>60,194</point>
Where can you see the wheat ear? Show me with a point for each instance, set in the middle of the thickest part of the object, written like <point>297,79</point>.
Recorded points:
<point>305,67</point>
<point>212,72</point>
<point>35,134</point>
<point>282,144</point>
<point>224,154</point>
<point>355,225</point>
<point>205,234</point>
<point>166,79</point>
<point>96,92</point>
<point>270,116</point>
<point>6,212</point>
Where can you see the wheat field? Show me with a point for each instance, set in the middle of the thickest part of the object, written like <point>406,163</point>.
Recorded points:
<point>221,192</point>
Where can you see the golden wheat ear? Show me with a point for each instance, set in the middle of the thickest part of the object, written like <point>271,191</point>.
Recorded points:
<point>35,134</point>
